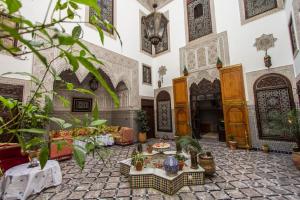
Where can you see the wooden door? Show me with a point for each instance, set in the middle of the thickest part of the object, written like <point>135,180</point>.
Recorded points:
<point>181,106</point>
<point>148,106</point>
<point>234,104</point>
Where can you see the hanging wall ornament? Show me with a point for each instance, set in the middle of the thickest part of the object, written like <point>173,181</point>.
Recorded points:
<point>264,43</point>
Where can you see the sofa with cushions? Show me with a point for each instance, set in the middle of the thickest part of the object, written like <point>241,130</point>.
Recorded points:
<point>10,156</point>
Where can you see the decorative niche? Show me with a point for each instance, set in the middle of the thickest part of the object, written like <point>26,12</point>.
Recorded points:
<point>108,10</point>
<point>200,18</point>
<point>147,47</point>
<point>251,10</point>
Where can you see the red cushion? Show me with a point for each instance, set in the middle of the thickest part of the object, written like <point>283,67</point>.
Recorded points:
<point>10,156</point>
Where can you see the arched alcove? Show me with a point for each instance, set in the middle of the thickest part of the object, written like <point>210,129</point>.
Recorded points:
<point>273,97</point>
<point>164,112</point>
<point>123,94</point>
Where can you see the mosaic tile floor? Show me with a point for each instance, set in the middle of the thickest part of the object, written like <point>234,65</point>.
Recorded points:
<point>240,175</point>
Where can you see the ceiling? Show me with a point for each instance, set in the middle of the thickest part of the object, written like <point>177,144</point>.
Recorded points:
<point>148,3</point>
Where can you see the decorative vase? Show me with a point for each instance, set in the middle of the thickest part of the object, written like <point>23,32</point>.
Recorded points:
<point>194,162</point>
<point>171,166</point>
<point>232,145</point>
<point>140,148</point>
<point>268,61</point>
<point>206,161</point>
<point>159,83</point>
<point>149,149</point>
<point>33,158</point>
<point>142,137</point>
<point>139,166</point>
<point>265,149</point>
<point>296,158</point>
<point>181,164</point>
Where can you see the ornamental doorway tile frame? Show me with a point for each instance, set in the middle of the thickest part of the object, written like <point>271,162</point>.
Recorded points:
<point>280,6</point>
<point>213,21</point>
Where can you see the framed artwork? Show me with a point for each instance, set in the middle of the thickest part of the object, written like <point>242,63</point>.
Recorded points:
<point>82,105</point>
<point>147,76</point>
<point>8,42</point>
<point>254,7</point>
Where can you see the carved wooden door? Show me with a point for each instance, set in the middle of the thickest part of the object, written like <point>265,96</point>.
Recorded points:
<point>234,105</point>
<point>181,106</point>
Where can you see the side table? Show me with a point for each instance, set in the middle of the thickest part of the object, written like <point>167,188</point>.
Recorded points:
<point>20,181</point>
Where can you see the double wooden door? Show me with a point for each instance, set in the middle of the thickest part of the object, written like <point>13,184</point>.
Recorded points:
<point>234,105</point>
<point>181,107</point>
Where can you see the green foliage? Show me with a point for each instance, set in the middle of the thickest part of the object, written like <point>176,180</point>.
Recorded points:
<point>139,157</point>
<point>287,123</point>
<point>231,137</point>
<point>180,157</point>
<point>187,143</point>
<point>142,121</point>
<point>27,121</point>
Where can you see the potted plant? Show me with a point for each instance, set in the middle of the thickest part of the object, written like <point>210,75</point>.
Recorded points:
<point>143,127</point>
<point>149,148</point>
<point>185,71</point>
<point>138,161</point>
<point>181,160</point>
<point>219,63</point>
<point>192,146</point>
<point>206,161</point>
<point>265,148</point>
<point>231,142</point>
<point>289,123</point>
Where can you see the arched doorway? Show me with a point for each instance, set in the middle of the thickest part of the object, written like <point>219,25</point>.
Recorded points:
<point>164,112</point>
<point>273,96</point>
<point>206,110</point>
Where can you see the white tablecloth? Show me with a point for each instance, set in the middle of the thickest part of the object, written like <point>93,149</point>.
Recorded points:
<point>20,181</point>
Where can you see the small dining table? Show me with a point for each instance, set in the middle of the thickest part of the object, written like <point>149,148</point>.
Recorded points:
<point>20,182</point>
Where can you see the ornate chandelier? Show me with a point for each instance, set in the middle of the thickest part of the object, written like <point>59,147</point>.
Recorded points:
<point>156,25</point>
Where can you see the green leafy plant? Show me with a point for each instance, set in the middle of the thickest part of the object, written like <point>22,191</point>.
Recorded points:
<point>139,157</point>
<point>180,157</point>
<point>142,121</point>
<point>27,122</point>
<point>231,137</point>
<point>287,123</point>
<point>187,143</point>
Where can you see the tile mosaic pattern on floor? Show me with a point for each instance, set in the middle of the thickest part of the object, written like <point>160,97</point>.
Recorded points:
<point>240,175</point>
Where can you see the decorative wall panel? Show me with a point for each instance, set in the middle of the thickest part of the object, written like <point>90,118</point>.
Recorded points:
<point>273,94</point>
<point>200,57</point>
<point>257,7</point>
<point>107,13</point>
<point>164,112</point>
<point>147,75</point>
<point>251,10</point>
<point>163,45</point>
<point>145,43</point>
<point>199,18</point>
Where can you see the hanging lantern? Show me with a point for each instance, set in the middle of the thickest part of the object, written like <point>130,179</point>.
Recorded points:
<point>94,84</point>
<point>156,25</point>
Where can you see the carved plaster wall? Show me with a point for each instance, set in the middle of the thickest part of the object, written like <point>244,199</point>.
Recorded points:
<point>13,81</point>
<point>262,9</point>
<point>200,58</point>
<point>117,67</point>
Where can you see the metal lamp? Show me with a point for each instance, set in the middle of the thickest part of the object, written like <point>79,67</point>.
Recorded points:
<point>156,25</point>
